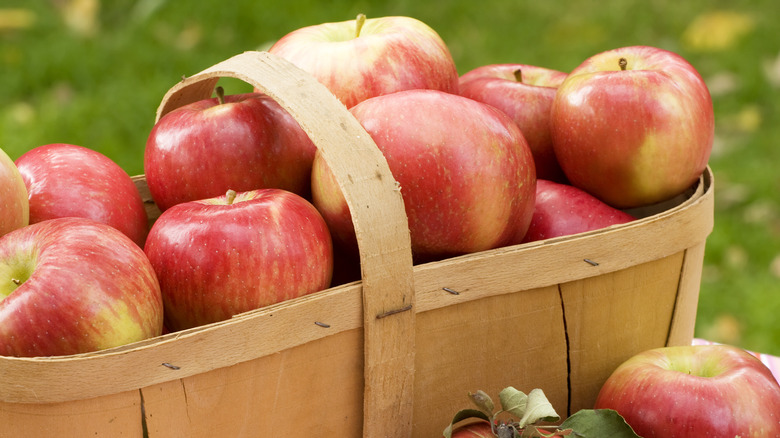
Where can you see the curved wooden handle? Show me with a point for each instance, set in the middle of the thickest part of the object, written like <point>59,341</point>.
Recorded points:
<point>377,212</point>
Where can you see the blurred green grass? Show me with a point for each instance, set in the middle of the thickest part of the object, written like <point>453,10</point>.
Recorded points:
<point>92,73</point>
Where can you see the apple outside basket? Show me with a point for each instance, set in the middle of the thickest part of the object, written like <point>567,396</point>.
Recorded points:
<point>394,354</point>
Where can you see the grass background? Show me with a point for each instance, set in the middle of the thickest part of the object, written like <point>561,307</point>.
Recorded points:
<point>92,73</point>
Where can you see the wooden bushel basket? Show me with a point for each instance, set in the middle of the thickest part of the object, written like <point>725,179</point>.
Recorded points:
<point>394,354</point>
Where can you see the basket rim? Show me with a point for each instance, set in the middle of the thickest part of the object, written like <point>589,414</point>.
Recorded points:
<point>33,376</point>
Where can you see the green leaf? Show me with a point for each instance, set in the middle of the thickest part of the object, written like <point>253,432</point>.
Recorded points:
<point>483,402</point>
<point>539,432</point>
<point>513,401</point>
<point>462,415</point>
<point>596,423</point>
<point>538,409</point>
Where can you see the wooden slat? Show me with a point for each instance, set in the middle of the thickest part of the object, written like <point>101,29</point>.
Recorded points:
<point>115,415</point>
<point>316,387</point>
<point>683,322</point>
<point>611,317</point>
<point>515,339</point>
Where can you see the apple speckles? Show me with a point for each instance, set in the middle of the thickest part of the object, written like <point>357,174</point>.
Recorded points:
<point>237,257</point>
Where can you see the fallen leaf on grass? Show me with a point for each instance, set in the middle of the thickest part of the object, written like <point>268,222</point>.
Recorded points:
<point>81,16</point>
<point>774,266</point>
<point>736,257</point>
<point>21,113</point>
<point>725,329</point>
<point>730,195</point>
<point>722,83</point>
<point>15,19</point>
<point>745,121</point>
<point>772,70</point>
<point>717,30</point>
<point>760,212</point>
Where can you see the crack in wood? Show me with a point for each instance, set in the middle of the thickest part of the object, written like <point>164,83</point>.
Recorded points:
<point>568,353</point>
<point>144,425</point>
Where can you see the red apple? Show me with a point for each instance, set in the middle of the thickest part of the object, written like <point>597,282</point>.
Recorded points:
<point>65,180</point>
<point>525,93</point>
<point>695,391</point>
<point>221,256</point>
<point>73,285</point>
<point>206,148</point>
<point>562,210</point>
<point>363,58</point>
<point>464,170</point>
<point>633,126</point>
<point>14,205</point>
<point>478,429</point>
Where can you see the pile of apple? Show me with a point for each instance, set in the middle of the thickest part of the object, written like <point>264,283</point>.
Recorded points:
<point>251,214</point>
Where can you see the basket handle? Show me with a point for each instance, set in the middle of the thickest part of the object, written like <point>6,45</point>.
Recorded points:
<point>377,212</point>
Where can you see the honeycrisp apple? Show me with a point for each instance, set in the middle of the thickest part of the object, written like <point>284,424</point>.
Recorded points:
<point>65,180</point>
<point>477,429</point>
<point>525,93</point>
<point>73,285</point>
<point>463,167</point>
<point>221,256</point>
<point>14,205</point>
<point>237,142</point>
<point>562,210</point>
<point>695,391</point>
<point>633,126</point>
<point>362,58</point>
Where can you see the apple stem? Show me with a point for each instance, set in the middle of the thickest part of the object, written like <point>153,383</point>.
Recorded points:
<point>359,22</point>
<point>16,281</point>
<point>220,95</point>
<point>519,75</point>
<point>623,63</point>
<point>505,431</point>
<point>230,196</point>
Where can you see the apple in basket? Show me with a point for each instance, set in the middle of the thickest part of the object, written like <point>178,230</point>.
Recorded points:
<point>477,429</point>
<point>633,126</point>
<point>695,391</point>
<point>222,256</point>
<point>14,205</point>
<point>237,142</point>
<point>73,285</point>
<point>66,180</point>
<point>366,57</point>
<point>562,210</point>
<point>464,170</point>
<point>525,93</point>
